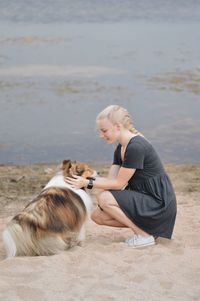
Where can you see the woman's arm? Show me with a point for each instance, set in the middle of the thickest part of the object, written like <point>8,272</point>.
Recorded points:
<point>117,182</point>
<point>113,171</point>
<point>117,179</point>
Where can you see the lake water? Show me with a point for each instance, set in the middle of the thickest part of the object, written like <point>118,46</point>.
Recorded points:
<point>63,62</point>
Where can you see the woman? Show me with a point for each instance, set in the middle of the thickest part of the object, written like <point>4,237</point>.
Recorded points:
<point>137,192</point>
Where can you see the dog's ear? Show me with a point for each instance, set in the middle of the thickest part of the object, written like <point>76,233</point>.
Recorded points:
<point>66,164</point>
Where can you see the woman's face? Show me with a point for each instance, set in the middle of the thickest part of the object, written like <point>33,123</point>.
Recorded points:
<point>108,131</point>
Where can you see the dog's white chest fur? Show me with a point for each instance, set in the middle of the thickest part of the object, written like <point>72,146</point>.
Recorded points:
<point>58,181</point>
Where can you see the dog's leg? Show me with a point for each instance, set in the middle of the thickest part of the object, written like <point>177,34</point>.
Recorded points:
<point>81,236</point>
<point>9,244</point>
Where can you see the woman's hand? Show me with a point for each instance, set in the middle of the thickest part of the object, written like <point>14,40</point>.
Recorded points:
<point>76,182</point>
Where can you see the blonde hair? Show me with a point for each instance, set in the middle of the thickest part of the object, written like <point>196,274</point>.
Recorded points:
<point>117,114</point>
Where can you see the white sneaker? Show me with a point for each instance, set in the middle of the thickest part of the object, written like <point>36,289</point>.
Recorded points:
<point>138,241</point>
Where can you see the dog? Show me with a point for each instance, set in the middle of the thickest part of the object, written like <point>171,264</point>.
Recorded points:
<point>54,220</point>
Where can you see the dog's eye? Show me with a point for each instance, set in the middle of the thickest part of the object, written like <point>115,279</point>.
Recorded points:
<point>79,172</point>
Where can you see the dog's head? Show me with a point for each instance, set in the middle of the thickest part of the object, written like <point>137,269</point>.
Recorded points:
<point>78,168</point>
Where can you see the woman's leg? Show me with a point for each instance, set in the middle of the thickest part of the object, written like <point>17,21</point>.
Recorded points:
<point>100,217</point>
<point>112,215</point>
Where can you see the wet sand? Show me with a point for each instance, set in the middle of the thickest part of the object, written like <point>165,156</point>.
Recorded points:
<point>103,268</point>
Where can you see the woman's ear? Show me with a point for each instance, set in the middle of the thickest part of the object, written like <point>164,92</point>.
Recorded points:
<point>118,126</point>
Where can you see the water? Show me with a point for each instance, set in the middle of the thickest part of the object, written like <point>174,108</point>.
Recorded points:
<point>78,11</point>
<point>60,64</point>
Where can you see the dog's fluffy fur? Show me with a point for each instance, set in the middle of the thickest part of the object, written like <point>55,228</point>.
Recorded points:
<point>54,220</point>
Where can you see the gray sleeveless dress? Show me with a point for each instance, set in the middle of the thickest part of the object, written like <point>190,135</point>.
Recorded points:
<point>149,199</point>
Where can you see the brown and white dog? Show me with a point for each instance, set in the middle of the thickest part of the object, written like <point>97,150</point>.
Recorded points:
<point>54,220</point>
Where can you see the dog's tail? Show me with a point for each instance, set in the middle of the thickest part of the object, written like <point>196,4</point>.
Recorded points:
<point>22,242</point>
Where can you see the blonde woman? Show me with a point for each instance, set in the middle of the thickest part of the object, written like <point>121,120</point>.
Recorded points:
<point>137,193</point>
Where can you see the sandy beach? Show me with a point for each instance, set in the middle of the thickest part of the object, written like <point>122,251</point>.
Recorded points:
<point>61,63</point>
<point>104,268</point>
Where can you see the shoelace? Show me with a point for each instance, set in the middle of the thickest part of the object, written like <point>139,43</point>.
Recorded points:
<point>133,239</point>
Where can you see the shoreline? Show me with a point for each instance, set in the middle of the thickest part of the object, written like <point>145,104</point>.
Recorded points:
<point>99,163</point>
<point>19,182</point>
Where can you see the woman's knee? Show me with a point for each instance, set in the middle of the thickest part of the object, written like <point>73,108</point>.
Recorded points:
<point>95,216</point>
<point>105,199</point>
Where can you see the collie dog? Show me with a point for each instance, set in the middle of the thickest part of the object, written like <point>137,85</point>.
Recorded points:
<point>54,220</point>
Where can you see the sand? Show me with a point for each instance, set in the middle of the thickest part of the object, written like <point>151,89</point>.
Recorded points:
<point>104,268</point>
